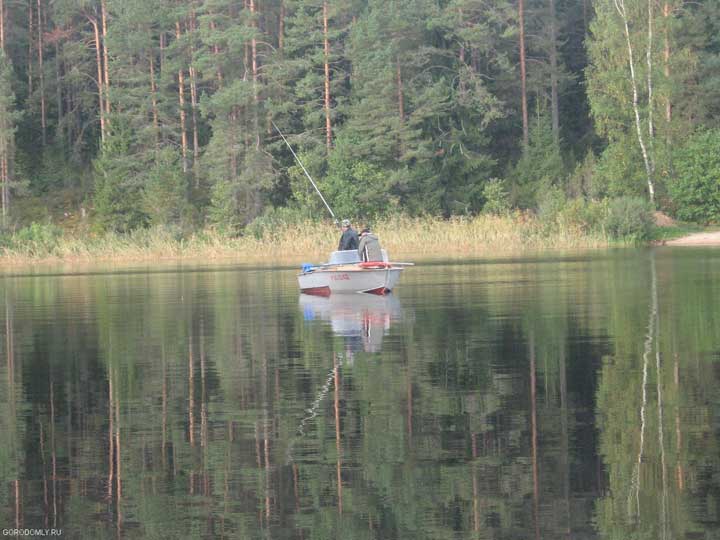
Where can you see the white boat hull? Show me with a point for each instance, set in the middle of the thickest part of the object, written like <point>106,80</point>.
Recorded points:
<point>349,278</point>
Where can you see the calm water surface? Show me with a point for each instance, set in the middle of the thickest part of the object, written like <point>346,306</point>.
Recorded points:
<point>559,397</point>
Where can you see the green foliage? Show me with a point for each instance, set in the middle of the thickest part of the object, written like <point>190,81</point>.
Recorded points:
<point>630,218</point>
<point>52,172</point>
<point>223,208</point>
<point>497,199</point>
<point>696,189</point>
<point>423,106</point>
<point>550,203</point>
<point>276,222</point>
<point>303,192</point>
<point>9,118</point>
<point>118,189</point>
<point>36,239</point>
<point>357,188</point>
<point>540,166</point>
<point>619,170</point>
<point>587,216</point>
<point>238,199</point>
<point>582,182</point>
<point>165,191</point>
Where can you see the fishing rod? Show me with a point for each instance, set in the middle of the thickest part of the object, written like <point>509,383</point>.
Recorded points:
<point>305,171</point>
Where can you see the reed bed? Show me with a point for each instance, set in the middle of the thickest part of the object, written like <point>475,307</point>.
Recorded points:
<point>403,237</point>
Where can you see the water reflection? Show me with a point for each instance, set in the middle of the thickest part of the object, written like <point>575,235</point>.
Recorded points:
<point>362,320</point>
<point>532,399</point>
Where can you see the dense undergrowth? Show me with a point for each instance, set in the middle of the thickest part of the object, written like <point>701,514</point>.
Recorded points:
<point>290,236</point>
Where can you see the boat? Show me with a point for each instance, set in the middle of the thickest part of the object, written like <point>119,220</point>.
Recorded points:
<point>346,273</point>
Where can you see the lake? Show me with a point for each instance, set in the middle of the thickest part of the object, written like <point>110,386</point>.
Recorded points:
<point>555,396</point>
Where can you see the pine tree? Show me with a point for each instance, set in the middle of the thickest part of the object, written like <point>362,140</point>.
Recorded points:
<point>8,120</point>
<point>239,168</point>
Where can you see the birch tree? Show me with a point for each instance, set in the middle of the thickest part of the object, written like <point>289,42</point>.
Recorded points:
<point>620,83</point>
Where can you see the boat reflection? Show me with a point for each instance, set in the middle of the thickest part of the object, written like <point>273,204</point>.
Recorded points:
<point>361,319</point>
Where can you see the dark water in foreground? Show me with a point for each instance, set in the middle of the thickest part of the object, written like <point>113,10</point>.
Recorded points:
<point>567,397</point>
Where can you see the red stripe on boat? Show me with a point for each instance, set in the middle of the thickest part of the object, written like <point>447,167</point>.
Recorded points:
<point>374,264</point>
<point>380,290</point>
<point>317,291</point>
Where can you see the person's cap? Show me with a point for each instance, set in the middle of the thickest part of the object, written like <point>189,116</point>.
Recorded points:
<point>345,222</point>
<point>365,230</point>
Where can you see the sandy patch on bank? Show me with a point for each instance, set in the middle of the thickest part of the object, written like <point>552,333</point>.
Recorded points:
<point>696,239</point>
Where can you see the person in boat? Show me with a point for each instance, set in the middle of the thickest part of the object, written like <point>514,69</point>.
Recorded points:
<point>369,247</point>
<point>349,238</point>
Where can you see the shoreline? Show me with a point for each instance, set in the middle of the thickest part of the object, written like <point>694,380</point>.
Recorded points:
<point>402,237</point>
<point>60,266</point>
<point>405,239</point>
<point>265,255</point>
<point>709,238</point>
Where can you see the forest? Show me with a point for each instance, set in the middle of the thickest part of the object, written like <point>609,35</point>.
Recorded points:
<point>118,115</point>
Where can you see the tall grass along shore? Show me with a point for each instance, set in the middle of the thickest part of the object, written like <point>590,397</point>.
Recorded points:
<point>403,237</point>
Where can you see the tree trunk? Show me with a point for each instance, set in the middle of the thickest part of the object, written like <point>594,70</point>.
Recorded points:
<point>461,54</point>
<point>666,61</point>
<point>2,25</point>
<point>523,74</point>
<point>153,97</point>
<point>400,94</point>
<point>620,7</point>
<point>281,26</point>
<point>401,104</point>
<point>4,180</point>
<point>216,53</point>
<point>234,143</point>
<point>326,49</point>
<point>162,53</point>
<point>100,85</point>
<point>253,47</point>
<point>181,99</point>
<point>105,58</point>
<point>246,48</point>
<point>72,116</point>
<point>193,110</point>
<point>4,146</point>
<point>58,92</point>
<point>554,105</point>
<point>648,57</point>
<point>31,33</point>
<point>43,119</point>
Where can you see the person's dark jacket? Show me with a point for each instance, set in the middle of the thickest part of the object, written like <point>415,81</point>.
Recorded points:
<point>349,240</point>
<point>369,248</point>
